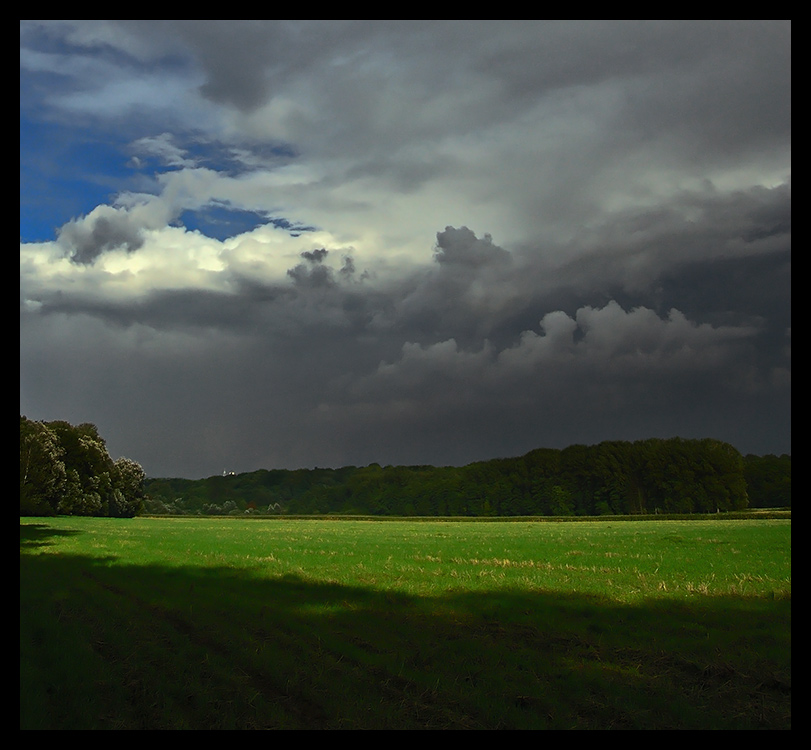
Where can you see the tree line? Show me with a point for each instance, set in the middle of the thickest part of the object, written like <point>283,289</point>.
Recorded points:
<point>66,470</point>
<point>643,477</point>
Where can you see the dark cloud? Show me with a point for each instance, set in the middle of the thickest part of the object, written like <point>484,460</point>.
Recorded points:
<point>88,239</point>
<point>461,247</point>
<point>315,256</point>
<point>314,277</point>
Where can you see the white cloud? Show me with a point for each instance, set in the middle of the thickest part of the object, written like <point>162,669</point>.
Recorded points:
<point>163,147</point>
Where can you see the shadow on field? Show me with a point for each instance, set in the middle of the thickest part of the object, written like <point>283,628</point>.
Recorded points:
<point>145,647</point>
<point>39,534</point>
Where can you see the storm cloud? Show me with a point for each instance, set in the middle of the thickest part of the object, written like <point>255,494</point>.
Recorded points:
<point>481,238</point>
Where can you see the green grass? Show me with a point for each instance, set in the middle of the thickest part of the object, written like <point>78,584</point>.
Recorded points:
<point>231,623</point>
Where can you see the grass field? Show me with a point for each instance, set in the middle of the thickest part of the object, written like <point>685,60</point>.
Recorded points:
<point>317,624</point>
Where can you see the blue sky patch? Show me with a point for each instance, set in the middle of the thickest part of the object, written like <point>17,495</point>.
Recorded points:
<point>65,173</point>
<point>223,222</point>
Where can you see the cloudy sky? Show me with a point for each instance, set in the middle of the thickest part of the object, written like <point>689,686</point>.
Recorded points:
<point>260,244</point>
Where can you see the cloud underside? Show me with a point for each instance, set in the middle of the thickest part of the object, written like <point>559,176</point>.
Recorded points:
<point>332,364</point>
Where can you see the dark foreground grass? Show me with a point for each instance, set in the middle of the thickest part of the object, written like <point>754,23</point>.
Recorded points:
<point>123,627</point>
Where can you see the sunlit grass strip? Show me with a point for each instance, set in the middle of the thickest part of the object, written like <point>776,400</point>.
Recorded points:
<point>623,561</point>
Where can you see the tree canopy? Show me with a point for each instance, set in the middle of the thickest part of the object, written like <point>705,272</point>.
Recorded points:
<point>66,470</point>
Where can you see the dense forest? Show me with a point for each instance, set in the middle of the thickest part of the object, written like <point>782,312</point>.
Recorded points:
<point>648,476</point>
<point>66,470</point>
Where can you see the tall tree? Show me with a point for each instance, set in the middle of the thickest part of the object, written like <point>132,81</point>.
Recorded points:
<point>42,470</point>
<point>128,488</point>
